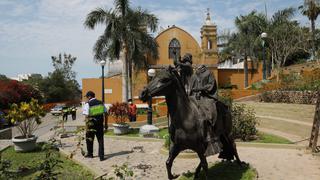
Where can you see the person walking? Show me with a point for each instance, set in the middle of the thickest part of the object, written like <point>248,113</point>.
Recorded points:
<point>132,111</point>
<point>93,111</point>
<point>65,113</point>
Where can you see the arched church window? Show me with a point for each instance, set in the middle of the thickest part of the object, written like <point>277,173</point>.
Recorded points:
<point>174,48</point>
<point>209,44</point>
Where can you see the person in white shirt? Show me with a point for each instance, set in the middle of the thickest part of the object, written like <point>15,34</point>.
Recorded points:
<point>94,111</point>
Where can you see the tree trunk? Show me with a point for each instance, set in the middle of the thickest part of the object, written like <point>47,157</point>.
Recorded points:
<point>130,79</point>
<point>313,39</point>
<point>245,69</point>
<point>124,75</point>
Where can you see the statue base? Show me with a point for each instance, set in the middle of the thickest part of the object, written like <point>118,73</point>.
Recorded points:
<point>148,130</point>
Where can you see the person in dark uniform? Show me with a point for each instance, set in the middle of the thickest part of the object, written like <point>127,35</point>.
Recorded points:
<point>93,111</point>
<point>73,112</point>
<point>65,112</point>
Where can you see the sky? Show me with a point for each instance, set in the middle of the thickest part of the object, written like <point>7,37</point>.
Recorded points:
<point>31,31</point>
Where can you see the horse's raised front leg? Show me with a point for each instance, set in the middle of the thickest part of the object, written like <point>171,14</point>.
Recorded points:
<point>174,151</point>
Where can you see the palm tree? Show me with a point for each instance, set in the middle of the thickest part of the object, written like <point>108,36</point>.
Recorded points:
<point>311,9</point>
<point>125,37</point>
<point>249,29</point>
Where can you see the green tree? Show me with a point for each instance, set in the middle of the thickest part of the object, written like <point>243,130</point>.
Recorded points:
<point>59,85</point>
<point>3,77</point>
<point>56,87</point>
<point>311,9</point>
<point>64,65</point>
<point>246,40</point>
<point>286,37</point>
<point>34,80</point>
<point>286,40</point>
<point>125,36</point>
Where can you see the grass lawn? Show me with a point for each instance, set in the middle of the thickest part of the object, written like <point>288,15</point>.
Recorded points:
<point>298,112</point>
<point>226,171</point>
<point>270,138</point>
<point>31,161</point>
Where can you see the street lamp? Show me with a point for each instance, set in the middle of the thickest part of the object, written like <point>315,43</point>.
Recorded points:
<point>151,74</point>
<point>264,35</point>
<point>102,63</point>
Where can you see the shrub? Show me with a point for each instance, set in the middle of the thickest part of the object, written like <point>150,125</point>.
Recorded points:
<point>12,91</point>
<point>295,97</point>
<point>243,122</point>
<point>122,172</point>
<point>49,164</point>
<point>27,116</point>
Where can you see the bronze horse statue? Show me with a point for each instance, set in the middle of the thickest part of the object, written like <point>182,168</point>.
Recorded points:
<point>186,130</point>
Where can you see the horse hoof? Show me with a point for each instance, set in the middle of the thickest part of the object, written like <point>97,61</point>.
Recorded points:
<point>174,176</point>
<point>243,164</point>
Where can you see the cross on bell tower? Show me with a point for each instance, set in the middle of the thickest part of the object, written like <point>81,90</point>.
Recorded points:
<point>209,41</point>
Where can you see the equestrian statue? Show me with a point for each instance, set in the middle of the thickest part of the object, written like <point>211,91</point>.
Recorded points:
<point>198,120</point>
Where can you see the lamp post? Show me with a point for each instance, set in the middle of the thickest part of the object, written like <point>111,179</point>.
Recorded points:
<point>264,35</point>
<point>102,63</point>
<point>151,74</point>
<point>148,130</point>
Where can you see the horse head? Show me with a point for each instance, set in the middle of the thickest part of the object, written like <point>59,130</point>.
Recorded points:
<point>161,84</point>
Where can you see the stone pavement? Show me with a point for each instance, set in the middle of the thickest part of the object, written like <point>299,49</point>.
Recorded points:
<point>270,163</point>
<point>4,144</point>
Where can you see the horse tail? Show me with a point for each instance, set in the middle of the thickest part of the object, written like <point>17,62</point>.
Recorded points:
<point>229,149</point>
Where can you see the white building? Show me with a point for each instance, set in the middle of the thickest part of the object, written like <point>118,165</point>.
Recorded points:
<point>21,77</point>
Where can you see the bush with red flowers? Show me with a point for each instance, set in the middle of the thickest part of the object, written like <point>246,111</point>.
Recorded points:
<point>120,112</point>
<point>12,91</point>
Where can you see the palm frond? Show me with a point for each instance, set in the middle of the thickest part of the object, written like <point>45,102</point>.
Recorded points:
<point>97,16</point>
<point>122,7</point>
<point>283,15</point>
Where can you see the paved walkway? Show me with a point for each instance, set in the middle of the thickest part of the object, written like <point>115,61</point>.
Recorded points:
<point>270,163</point>
<point>4,144</point>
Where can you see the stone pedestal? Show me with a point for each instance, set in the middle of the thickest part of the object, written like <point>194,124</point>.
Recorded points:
<point>148,130</point>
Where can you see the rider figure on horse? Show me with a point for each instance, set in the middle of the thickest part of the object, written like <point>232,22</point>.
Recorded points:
<point>204,90</point>
<point>202,87</point>
<point>184,67</point>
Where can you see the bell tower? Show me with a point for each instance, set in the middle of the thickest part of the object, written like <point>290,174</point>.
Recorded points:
<point>209,41</point>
